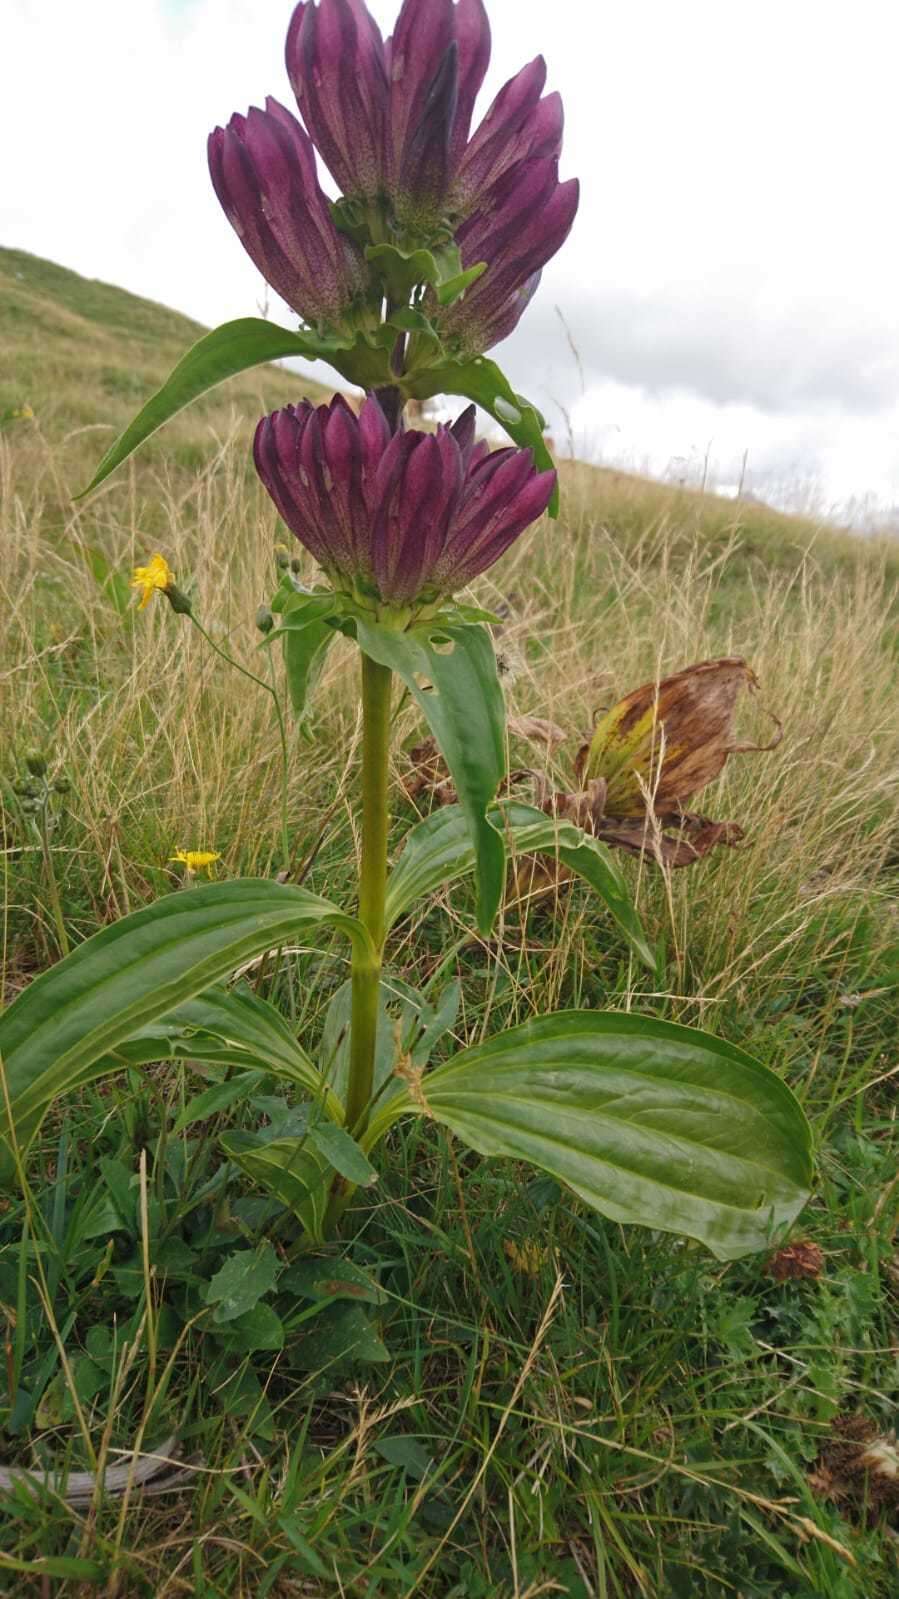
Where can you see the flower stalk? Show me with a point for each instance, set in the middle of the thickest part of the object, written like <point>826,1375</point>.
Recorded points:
<point>366,974</point>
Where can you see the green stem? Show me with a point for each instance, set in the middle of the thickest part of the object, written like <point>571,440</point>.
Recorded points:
<point>366,973</point>
<point>52,886</point>
<point>279,716</point>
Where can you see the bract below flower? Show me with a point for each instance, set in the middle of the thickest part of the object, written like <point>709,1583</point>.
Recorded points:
<point>402,519</point>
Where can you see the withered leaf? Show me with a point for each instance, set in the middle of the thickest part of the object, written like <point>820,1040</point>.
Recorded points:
<point>669,738</point>
<point>537,730</point>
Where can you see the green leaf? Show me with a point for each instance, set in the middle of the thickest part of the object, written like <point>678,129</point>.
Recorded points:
<point>408,319</point>
<point>288,1168</point>
<point>258,1329</point>
<point>225,1028</point>
<point>111,582</point>
<point>402,270</point>
<point>401,1012</point>
<point>232,348</point>
<point>321,1277</point>
<point>243,1280</point>
<point>305,634</point>
<point>465,711</point>
<point>305,649</point>
<point>407,1453</point>
<point>217,1098</point>
<point>341,1333</point>
<point>482,380</point>
<point>438,851</point>
<point>78,1012</point>
<point>341,1151</point>
<point>292,1530</point>
<point>647,1121</point>
<point>61,1566</point>
<point>439,1022</point>
<point>451,288</point>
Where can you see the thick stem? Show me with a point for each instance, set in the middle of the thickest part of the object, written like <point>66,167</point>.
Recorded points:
<point>376,687</point>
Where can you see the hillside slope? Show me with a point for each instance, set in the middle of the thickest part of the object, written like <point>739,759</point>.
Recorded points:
<point>86,355</point>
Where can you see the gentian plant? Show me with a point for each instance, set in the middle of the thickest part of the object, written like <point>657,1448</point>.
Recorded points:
<point>427,259</point>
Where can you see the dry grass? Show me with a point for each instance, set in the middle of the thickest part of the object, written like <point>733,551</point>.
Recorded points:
<point>166,748</point>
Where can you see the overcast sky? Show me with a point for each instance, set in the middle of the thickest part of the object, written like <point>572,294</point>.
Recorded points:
<point>731,281</point>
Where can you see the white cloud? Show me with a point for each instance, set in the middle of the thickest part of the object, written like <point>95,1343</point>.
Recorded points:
<point>732,271</point>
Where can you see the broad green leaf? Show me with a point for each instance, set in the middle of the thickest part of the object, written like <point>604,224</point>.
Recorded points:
<point>402,270</point>
<point>135,971</point>
<point>482,380</point>
<point>289,1168</point>
<point>232,348</point>
<point>258,1329</point>
<point>218,1098</point>
<point>647,1121</point>
<point>464,710</point>
<point>438,851</point>
<point>407,1453</point>
<point>340,1150</point>
<point>341,1332</point>
<point>322,1277</point>
<point>225,1028</point>
<point>245,1277</point>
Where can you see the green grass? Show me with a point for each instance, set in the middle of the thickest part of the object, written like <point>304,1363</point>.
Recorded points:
<point>626,1417</point>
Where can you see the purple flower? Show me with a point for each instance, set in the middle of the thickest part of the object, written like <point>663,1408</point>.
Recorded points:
<point>519,126</point>
<point>392,119</point>
<point>399,518</point>
<point>263,171</point>
<point>337,69</point>
<point>518,226</point>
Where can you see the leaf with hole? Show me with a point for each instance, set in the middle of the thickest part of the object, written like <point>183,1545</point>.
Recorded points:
<point>483,382</point>
<point>323,1277</point>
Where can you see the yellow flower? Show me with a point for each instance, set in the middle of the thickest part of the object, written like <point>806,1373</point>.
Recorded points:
<point>196,860</point>
<point>24,413</point>
<point>528,1257</point>
<point>157,574</point>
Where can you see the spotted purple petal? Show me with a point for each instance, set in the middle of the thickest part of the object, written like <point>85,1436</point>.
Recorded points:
<point>402,518</point>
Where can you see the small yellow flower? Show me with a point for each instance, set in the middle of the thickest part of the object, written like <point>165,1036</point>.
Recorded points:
<point>528,1258</point>
<point>157,574</point>
<point>24,413</point>
<point>196,860</point>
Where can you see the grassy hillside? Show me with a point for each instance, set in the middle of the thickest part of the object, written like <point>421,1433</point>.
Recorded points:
<point>606,1412</point>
